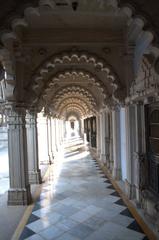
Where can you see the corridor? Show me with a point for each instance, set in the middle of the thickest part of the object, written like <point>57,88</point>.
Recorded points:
<point>78,202</point>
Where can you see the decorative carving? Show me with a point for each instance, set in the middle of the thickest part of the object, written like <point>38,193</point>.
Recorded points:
<point>157,65</point>
<point>146,84</point>
<point>2,72</point>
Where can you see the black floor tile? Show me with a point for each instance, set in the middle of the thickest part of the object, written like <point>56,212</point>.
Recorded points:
<point>135,226</point>
<point>107,181</point>
<point>26,233</point>
<point>103,176</point>
<point>32,218</point>
<point>145,238</point>
<point>127,213</point>
<point>110,186</point>
<point>115,194</point>
<point>120,202</point>
<point>37,207</point>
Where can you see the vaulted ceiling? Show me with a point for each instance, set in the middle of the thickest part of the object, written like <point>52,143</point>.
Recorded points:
<point>145,8</point>
<point>70,58</point>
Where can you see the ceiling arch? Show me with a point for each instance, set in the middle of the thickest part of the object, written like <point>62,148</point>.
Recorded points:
<point>79,81</point>
<point>138,35</point>
<point>72,95</point>
<point>81,110</point>
<point>136,22</point>
<point>71,115</point>
<point>84,61</point>
<point>84,66</point>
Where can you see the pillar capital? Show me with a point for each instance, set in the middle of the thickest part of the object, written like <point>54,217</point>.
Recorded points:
<point>31,118</point>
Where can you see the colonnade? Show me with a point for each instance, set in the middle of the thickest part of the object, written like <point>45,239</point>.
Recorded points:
<point>117,135</point>
<point>120,144</point>
<point>26,131</point>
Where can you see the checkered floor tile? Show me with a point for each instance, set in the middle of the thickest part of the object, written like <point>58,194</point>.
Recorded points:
<point>78,202</point>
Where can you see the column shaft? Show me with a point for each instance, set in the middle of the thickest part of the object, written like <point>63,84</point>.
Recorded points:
<point>98,136</point>
<point>130,148</point>
<point>32,148</point>
<point>116,144</point>
<point>19,192</point>
<point>49,140</point>
<point>103,138</point>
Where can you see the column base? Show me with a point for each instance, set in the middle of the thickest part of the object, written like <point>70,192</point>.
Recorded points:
<point>129,189</point>
<point>111,164</point>
<point>35,177</point>
<point>103,158</point>
<point>50,159</point>
<point>108,163</point>
<point>19,196</point>
<point>117,173</point>
<point>98,153</point>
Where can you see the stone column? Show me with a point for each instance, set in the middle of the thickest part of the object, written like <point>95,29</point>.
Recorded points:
<point>103,138</point>
<point>100,133</point>
<point>98,136</point>
<point>51,139</point>
<point>107,140</point>
<point>130,148</point>
<point>19,192</point>
<point>82,128</point>
<point>32,148</point>
<point>116,143</point>
<point>56,134</point>
<point>111,162</point>
<point>42,138</point>
<point>48,141</point>
<point>139,165</point>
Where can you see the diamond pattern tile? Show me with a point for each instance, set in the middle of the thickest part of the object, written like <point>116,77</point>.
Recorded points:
<point>78,202</point>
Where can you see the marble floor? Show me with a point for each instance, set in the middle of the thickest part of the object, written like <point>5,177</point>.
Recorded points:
<point>78,202</point>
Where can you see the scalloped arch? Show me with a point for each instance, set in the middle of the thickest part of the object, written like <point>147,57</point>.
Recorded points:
<point>77,58</point>
<point>135,22</point>
<point>72,74</point>
<point>74,91</point>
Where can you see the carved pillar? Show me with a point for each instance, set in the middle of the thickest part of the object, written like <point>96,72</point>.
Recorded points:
<point>56,134</point>
<point>61,130</point>
<point>140,176</point>
<point>103,137</point>
<point>19,192</point>
<point>107,140</point>
<point>98,136</point>
<point>42,138</point>
<point>116,143</point>
<point>111,162</point>
<point>49,140</point>
<point>130,149</point>
<point>32,148</point>
<point>53,138</point>
<point>82,127</point>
